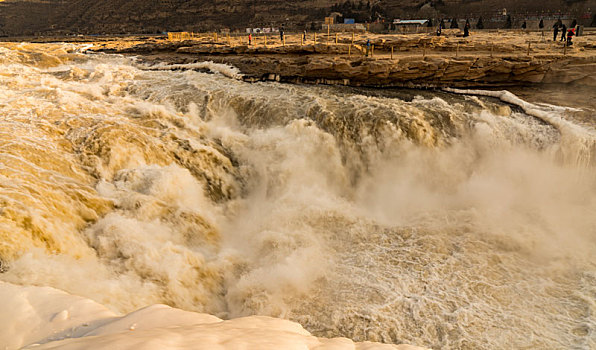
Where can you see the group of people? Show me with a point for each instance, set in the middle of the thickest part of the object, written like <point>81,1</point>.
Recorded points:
<point>281,37</point>
<point>566,34</point>
<point>466,28</point>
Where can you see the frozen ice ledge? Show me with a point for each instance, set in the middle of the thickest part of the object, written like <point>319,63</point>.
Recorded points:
<point>46,318</point>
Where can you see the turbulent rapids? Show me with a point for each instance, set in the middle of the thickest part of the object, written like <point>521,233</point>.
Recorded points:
<point>453,220</point>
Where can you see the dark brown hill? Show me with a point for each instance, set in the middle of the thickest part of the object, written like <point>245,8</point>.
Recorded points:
<point>35,17</point>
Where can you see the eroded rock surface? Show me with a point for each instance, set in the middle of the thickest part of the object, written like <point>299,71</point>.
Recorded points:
<point>487,59</point>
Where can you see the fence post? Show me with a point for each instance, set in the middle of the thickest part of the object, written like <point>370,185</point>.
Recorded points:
<point>529,48</point>
<point>391,52</point>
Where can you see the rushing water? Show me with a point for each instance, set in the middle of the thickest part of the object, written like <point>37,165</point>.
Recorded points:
<point>443,219</point>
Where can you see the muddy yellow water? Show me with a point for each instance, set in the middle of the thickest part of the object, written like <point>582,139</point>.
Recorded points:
<point>442,219</point>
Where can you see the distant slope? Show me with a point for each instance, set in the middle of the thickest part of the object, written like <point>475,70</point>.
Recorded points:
<point>18,17</point>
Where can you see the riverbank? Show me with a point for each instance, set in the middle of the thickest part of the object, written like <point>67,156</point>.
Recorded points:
<point>485,59</point>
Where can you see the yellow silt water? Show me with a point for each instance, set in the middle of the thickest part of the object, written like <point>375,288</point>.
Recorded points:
<point>444,219</point>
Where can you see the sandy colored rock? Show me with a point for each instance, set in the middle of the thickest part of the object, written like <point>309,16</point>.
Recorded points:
<point>486,58</point>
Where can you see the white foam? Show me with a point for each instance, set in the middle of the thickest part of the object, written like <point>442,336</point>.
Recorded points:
<point>578,144</point>
<point>223,69</point>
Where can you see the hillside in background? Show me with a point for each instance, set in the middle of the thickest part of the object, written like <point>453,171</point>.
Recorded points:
<point>35,17</point>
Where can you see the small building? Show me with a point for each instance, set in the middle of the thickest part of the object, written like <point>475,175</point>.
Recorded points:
<point>265,30</point>
<point>409,25</point>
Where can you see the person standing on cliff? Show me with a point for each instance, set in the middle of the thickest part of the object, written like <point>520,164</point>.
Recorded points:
<point>563,32</point>
<point>367,47</point>
<point>304,36</point>
<point>467,29</point>
<point>570,36</point>
<point>555,31</point>
<point>524,25</point>
<point>249,39</point>
<point>480,23</point>
<point>281,35</point>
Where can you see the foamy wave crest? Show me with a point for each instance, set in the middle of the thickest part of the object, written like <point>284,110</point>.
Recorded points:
<point>223,69</point>
<point>84,48</point>
<point>578,143</point>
